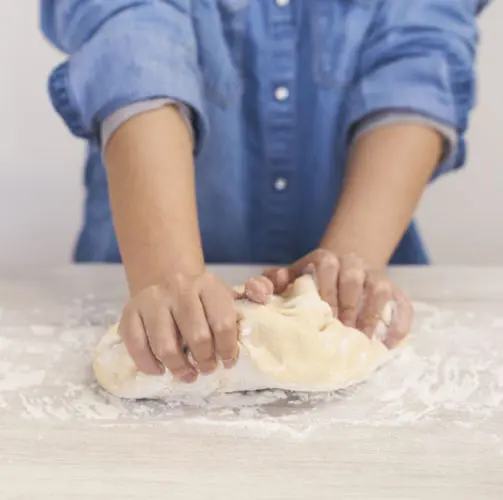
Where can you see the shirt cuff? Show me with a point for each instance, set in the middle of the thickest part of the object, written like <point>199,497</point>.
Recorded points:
<point>449,134</point>
<point>117,118</point>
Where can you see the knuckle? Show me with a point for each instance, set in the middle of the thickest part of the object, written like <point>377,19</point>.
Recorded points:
<point>352,260</point>
<point>326,258</point>
<point>155,297</point>
<point>167,351</point>
<point>185,286</point>
<point>209,279</point>
<point>352,275</point>
<point>268,285</point>
<point>186,294</point>
<point>133,338</point>
<point>201,338</point>
<point>271,275</point>
<point>257,289</point>
<point>252,284</point>
<point>135,343</point>
<point>227,354</point>
<point>382,288</point>
<point>319,255</point>
<point>151,293</point>
<point>225,326</point>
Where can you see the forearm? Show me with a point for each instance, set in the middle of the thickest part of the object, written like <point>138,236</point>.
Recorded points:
<point>152,193</point>
<point>388,169</point>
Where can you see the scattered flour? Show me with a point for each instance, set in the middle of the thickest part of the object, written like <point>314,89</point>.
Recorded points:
<point>453,369</point>
<point>16,380</point>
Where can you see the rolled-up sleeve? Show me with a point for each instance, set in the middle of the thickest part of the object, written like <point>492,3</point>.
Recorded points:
<point>419,58</point>
<point>120,53</point>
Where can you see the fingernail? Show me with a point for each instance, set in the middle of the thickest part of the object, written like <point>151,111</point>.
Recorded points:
<point>208,367</point>
<point>310,269</point>
<point>183,372</point>
<point>369,332</point>
<point>282,276</point>
<point>345,320</point>
<point>255,290</point>
<point>189,378</point>
<point>229,363</point>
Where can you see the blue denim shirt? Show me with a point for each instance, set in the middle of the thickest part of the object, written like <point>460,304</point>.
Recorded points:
<point>276,91</point>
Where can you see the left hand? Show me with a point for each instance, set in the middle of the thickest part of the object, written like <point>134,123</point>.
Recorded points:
<point>358,295</point>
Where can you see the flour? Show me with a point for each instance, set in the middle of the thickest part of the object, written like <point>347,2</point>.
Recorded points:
<point>42,330</point>
<point>4,344</point>
<point>16,380</point>
<point>453,369</point>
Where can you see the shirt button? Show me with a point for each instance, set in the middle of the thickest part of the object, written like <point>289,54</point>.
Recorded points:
<point>282,3</point>
<point>280,184</point>
<point>281,93</point>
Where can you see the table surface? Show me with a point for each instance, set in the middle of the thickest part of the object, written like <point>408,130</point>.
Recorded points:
<point>428,425</point>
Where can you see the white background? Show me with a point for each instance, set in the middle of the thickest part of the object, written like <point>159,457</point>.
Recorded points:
<point>41,164</point>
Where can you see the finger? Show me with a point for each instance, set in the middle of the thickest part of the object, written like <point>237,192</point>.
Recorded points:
<point>166,343</point>
<point>377,294</point>
<point>326,271</point>
<point>135,339</point>
<point>325,264</point>
<point>259,289</point>
<point>401,321</point>
<point>222,319</point>
<point>193,326</point>
<point>351,283</point>
<point>280,277</point>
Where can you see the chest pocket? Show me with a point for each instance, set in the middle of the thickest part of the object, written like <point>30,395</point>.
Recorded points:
<point>220,29</point>
<point>338,30</point>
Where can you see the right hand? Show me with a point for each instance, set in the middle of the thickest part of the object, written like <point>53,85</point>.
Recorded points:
<point>195,314</point>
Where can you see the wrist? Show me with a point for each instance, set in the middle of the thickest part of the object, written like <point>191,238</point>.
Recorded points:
<point>343,243</point>
<point>387,171</point>
<point>152,194</point>
<point>160,263</point>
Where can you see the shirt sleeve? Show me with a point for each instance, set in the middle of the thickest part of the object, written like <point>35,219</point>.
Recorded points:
<point>117,118</point>
<point>418,59</point>
<point>447,132</point>
<point>121,53</point>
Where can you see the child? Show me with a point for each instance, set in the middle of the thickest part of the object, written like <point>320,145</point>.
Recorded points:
<point>306,130</point>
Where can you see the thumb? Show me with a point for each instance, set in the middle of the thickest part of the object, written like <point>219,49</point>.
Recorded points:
<point>280,278</point>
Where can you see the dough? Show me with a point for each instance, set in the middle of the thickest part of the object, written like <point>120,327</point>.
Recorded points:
<point>292,343</point>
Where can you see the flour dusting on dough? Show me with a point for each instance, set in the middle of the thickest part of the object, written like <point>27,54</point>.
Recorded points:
<point>292,343</point>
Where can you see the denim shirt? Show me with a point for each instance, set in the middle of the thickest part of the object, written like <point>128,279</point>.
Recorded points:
<point>276,89</point>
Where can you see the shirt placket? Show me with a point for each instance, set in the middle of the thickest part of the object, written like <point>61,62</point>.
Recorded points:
<point>280,182</point>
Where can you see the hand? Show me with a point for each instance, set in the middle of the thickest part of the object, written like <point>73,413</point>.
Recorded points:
<point>358,295</point>
<point>194,313</point>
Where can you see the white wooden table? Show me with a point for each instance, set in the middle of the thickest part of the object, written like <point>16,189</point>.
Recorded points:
<point>428,426</point>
